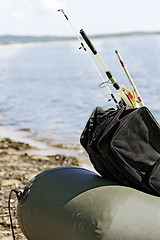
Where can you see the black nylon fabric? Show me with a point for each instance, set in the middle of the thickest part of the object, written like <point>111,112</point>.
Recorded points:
<point>124,145</point>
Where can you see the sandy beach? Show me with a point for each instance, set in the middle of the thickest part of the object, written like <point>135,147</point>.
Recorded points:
<point>19,163</point>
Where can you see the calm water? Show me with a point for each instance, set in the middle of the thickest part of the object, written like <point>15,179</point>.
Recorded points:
<point>51,88</point>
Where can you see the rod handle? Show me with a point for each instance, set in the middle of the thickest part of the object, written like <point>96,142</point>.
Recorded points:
<point>88,42</point>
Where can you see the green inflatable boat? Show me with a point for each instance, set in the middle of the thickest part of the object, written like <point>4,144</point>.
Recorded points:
<point>71,203</point>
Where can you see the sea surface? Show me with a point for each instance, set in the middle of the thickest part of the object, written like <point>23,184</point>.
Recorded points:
<point>49,90</point>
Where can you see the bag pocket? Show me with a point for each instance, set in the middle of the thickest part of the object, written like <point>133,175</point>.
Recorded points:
<point>154,178</point>
<point>134,142</point>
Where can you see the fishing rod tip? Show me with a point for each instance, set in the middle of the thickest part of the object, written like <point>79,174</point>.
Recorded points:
<point>116,51</point>
<point>61,10</point>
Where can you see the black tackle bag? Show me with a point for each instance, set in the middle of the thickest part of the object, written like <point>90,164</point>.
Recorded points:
<point>124,145</point>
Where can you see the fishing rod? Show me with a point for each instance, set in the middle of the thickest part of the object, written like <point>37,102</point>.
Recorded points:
<point>131,97</point>
<point>130,79</point>
<point>93,63</point>
<point>108,73</point>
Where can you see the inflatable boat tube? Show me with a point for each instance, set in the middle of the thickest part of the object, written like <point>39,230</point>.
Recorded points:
<point>71,203</point>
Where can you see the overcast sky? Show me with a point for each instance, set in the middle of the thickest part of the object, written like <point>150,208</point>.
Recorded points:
<point>40,17</point>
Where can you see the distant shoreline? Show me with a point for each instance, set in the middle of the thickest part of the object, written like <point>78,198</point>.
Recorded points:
<point>11,39</point>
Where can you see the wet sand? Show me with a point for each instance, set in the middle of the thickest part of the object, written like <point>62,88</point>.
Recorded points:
<point>19,163</point>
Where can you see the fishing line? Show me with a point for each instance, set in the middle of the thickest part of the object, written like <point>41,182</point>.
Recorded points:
<point>93,63</point>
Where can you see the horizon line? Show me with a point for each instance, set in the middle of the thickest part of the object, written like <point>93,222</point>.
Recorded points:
<point>13,38</point>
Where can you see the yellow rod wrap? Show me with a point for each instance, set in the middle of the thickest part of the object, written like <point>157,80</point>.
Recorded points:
<point>133,100</point>
<point>124,97</point>
<point>131,97</point>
